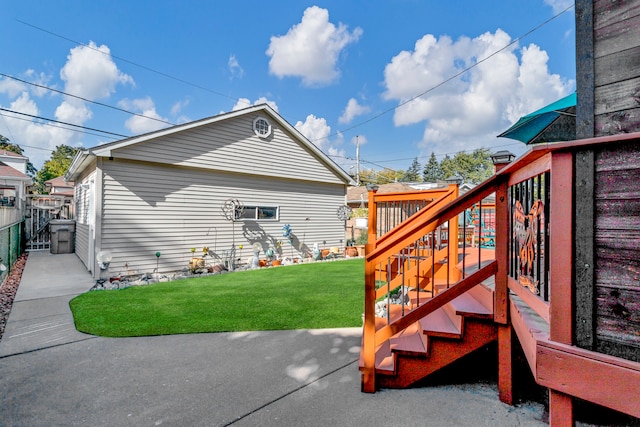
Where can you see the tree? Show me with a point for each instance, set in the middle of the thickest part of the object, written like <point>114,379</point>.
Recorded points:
<point>472,167</point>
<point>432,171</point>
<point>384,176</point>
<point>56,166</point>
<point>413,173</point>
<point>15,148</point>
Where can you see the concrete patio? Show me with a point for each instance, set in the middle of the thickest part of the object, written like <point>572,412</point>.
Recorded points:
<point>53,375</point>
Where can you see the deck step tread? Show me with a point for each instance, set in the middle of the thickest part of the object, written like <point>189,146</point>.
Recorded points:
<point>410,341</point>
<point>439,324</point>
<point>467,305</point>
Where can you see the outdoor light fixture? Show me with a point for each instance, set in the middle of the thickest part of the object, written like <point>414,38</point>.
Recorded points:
<point>454,180</point>
<point>104,259</point>
<point>502,157</point>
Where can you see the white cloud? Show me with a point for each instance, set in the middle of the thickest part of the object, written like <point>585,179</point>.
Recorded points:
<point>352,110</point>
<point>245,102</point>
<point>234,67</point>
<point>559,5</point>
<point>179,106</point>
<point>316,130</point>
<point>311,48</point>
<point>469,111</point>
<point>41,79</point>
<point>91,73</point>
<point>29,134</point>
<point>11,88</point>
<point>146,107</point>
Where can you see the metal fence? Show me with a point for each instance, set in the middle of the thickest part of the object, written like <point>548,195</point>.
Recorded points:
<point>11,247</point>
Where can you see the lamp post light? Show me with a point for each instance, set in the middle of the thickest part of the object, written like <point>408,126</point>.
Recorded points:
<point>501,159</point>
<point>454,180</point>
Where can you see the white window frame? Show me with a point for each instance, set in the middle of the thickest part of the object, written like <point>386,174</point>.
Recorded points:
<point>240,215</point>
<point>259,129</point>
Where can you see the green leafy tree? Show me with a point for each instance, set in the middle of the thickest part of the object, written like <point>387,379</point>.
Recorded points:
<point>413,173</point>
<point>384,176</point>
<point>388,175</point>
<point>432,171</point>
<point>56,166</point>
<point>5,144</point>
<point>472,167</point>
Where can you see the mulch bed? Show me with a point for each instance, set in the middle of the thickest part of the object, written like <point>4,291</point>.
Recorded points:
<point>8,290</point>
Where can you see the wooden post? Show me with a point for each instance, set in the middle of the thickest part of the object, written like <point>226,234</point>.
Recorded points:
<point>501,292</point>
<point>501,297</point>
<point>505,364</point>
<point>372,208</point>
<point>369,330</point>
<point>561,273</point>
<point>453,243</point>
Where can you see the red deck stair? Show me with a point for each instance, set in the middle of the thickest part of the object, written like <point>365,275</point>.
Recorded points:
<point>458,328</point>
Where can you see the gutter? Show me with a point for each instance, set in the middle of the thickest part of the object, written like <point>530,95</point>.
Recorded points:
<point>82,159</point>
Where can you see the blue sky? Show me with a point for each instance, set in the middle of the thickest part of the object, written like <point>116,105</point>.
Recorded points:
<point>337,70</point>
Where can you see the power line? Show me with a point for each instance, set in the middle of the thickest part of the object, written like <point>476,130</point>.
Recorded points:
<point>455,76</point>
<point>453,153</point>
<point>63,123</point>
<point>52,125</point>
<point>85,99</point>
<point>144,67</point>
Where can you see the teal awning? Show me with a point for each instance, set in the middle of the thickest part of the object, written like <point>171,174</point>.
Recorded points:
<point>531,126</point>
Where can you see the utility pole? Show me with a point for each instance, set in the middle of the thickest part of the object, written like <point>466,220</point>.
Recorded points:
<point>357,160</point>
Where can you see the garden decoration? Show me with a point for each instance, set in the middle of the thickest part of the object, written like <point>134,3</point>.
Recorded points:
<point>157,260</point>
<point>286,231</point>
<point>255,263</point>
<point>104,259</point>
<point>232,209</point>
<point>270,254</point>
<point>288,234</point>
<point>344,213</point>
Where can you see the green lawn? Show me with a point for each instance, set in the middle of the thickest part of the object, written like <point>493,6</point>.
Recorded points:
<point>306,296</point>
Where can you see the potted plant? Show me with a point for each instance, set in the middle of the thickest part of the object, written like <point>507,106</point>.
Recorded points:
<point>361,216</point>
<point>361,241</point>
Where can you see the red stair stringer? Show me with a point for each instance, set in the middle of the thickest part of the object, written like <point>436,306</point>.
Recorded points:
<point>409,368</point>
<point>460,327</point>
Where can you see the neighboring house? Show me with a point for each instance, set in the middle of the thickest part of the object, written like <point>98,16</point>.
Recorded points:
<point>165,192</point>
<point>59,187</point>
<point>64,190</point>
<point>13,186</point>
<point>15,160</point>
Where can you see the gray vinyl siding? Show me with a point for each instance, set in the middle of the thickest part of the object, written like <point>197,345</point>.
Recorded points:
<point>83,236</point>
<point>149,208</point>
<point>82,244</point>
<point>232,146</point>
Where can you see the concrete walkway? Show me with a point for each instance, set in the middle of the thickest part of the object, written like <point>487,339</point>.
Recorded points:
<point>53,375</point>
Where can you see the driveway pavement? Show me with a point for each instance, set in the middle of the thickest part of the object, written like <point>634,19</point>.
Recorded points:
<point>53,375</point>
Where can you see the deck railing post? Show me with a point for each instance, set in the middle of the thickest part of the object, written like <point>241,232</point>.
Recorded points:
<point>369,328</point>
<point>452,255</point>
<point>502,254</point>
<point>373,218</point>
<point>369,331</point>
<point>561,273</point>
<point>501,296</point>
